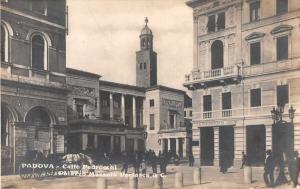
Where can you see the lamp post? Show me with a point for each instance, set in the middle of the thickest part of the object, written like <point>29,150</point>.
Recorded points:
<point>281,141</point>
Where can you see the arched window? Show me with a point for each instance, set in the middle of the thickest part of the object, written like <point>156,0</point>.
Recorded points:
<point>217,54</point>
<point>38,52</point>
<point>3,46</point>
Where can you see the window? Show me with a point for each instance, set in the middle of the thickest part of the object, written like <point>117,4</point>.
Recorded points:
<point>172,119</point>
<point>151,102</point>
<point>221,21</point>
<point>254,11</point>
<point>217,54</point>
<point>282,95</point>
<point>207,106</point>
<point>211,26</point>
<point>255,53</point>
<point>141,66</point>
<point>281,6</point>
<point>226,101</point>
<point>282,48</point>
<point>216,22</point>
<point>145,65</point>
<point>39,6</point>
<point>255,97</point>
<point>151,121</point>
<point>79,110</point>
<point>184,113</point>
<point>191,113</point>
<point>38,48</point>
<point>3,45</point>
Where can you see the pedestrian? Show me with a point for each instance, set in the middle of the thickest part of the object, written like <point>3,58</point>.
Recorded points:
<point>136,163</point>
<point>191,160</point>
<point>125,162</point>
<point>244,160</point>
<point>153,162</point>
<point>223,162</point>
<point>144,167</point>
<point>269,169</point>
<point>294,168</point>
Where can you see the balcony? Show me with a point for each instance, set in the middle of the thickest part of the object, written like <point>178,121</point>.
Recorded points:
<point>211,78</point>
<point>26,75</point>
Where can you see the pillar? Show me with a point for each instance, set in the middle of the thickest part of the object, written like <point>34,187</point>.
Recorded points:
<point>239,145</point>
<point>74,105</point>
<point>111,106</point>
<point>123,141</point>
<point>96,141</point>
<point>133,112</point>
<point>169,144</point>
<point>111,143</point>
<point>268,137</point>
<point>84,140</point>
<point>177,145</point>
<point>123,107</point>
<point>135,144</point>
<point>184,145</point>
<point>51,139</point>
<point>216,146</point>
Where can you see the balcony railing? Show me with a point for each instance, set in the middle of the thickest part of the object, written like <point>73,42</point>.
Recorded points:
<point>247,112</point>
<point>214,74</point>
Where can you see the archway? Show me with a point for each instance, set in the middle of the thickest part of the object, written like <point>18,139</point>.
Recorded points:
<point>217,54</point>
<point>38,121</point>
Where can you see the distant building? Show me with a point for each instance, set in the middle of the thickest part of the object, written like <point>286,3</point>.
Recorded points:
<point>246,61</point>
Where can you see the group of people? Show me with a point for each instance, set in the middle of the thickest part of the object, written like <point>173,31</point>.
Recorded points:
<point>270,164</point>
<point>141,160</point>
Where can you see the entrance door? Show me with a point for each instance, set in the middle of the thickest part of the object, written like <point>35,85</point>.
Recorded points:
<point>129,145</point>
<point>117,144</point>
<point>207,145</point>
<point>283,139</point>
<point>173,145</point>
<point>165,145</point>
<point>256,144</point>
<point>104,144</point>
<point>226,145</point>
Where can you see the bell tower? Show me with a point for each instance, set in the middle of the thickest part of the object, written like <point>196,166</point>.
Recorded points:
<point>146,59</point>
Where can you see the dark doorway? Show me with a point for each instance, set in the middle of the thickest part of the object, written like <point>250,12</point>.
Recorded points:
<point>207,146</point>
<point>129,145</point>
<point>283,139</point>
<point>104,143</point>
<point>226,145</point>
<point>217,55</point>
<point>117,144</point>
<point>165,145</point>
<point>256,144</point>
<point>173,145</point>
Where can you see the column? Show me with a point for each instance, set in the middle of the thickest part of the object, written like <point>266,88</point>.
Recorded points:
<point>123,141</point>
<point>216,146</point>
<point>123,107</point>
<point>185,142</point>
<point>177,145</point>
<point>111,143</point>
<point>268,137</point>
<point>111,106</point>
<point>133,112</point>
<point>84,140</point>
<point>74,105</point>
<point>169,144</point>
<point>135,144</point>
<point>98,115</point>
<point>239,143</point>
<point>162,142</point>
<point>51,139</point>
<point>96,141</point>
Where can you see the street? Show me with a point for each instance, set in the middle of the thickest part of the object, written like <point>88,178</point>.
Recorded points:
<point>211,178</point>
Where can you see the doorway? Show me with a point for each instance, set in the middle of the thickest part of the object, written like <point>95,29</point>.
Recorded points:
<point>207,146</point>
<point>256,144</point>
<point>226,144</point>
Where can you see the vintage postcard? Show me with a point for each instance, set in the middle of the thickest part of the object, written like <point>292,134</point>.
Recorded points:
<point>150,94</point>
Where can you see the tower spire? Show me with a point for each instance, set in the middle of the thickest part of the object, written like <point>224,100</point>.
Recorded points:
<point>146,20</point>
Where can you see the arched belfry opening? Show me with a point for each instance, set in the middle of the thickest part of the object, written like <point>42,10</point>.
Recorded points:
<point>217,55</point>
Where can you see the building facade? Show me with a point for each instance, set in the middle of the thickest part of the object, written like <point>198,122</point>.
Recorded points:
<point>246,61</point>
<point>33,81</point>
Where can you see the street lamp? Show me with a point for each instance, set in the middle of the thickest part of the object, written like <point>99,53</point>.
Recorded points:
<point>277,113</point>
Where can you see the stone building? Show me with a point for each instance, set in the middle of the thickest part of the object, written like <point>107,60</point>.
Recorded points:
<point>33,81</point>
<point>246,61</point>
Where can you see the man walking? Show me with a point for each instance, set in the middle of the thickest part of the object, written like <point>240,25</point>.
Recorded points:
<point>269,169</point>
<point>294,168</point>
<point>191,160</point>
<point>244,159</point>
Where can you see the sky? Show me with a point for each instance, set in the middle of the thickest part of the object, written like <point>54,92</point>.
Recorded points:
<point>104,37</point>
